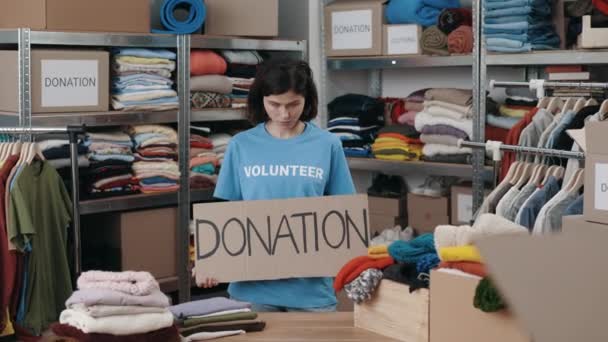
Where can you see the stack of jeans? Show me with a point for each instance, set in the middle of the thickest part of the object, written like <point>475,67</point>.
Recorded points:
<point>515,26</point>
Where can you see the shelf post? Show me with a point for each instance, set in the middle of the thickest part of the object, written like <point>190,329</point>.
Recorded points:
<point>479,103</point>
<point>25,96</point>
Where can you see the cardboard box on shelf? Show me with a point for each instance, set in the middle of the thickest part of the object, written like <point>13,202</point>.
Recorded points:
<point>77,15</point>
<point>553,305</point>
<point>387,206</point>
<point>596,172</point>
<point>142,240</point>
<point>454,318</point>
<point>395,312</point>
<point>354,27</point>
<point>461,204</point>
<point>401,40</point>
<point>424,213</point>
<point>61,81</point>
<point>258,18</point>
<point>304,237</point>
<point>378,223</point>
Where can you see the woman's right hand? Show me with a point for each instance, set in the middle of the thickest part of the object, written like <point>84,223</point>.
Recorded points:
<point>208,283</point>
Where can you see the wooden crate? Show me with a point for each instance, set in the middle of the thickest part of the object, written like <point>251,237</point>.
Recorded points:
<point>396,313</point>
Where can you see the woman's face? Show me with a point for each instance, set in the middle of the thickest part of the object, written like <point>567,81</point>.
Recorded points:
<point>285,109</point>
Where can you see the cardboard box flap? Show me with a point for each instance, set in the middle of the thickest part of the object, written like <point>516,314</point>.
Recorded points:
<point>595,137</point>
<point>555,285</point>
<point>340,3</point>
<point>578,135</point>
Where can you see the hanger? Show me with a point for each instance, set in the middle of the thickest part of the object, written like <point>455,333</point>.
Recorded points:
<point>3,147</point>
<point>526,173</point>
<point>580,104</point>
<point>513,171</point>
<point>22,153</point>
<point>548,173</point>
<point>603,110</point>
<point>569,104</point>
<point>579,181</point>
<point>538,176</point>
<point>33,153</point>
<point>555,105</point>
<point>559,172</point>
<point>591,102</point>
<point>543,102</point>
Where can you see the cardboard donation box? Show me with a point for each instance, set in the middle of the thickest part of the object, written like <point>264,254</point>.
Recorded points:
<point>596,172</point>
<point>259,18</point>
<point>77,15</point>
<point>554,285</point>
<point>401,40</point>
<point>461,204</point>
<point>61,81</point>
<point>576,224</point>
<point>395,312</point>
<point>454,318</point>
<point>425,213</point>
<point>263,240</point>
<point>354,27</point>
<point>386,212</point>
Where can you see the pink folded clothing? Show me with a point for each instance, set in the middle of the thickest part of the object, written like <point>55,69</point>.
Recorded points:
<point>408,118</point>
<point>133,283</point>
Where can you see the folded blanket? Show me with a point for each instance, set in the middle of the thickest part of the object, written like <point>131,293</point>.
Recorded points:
<point>145,95</point>
<point>155,129</point>
<point>207,306</point>
<point>114,137</point>
<point>143,60</point>
<point>206,62</point>
<point>164,70</point>
<point>204,336</point>
<point>157,105</point>
<point>435,149</point>
<point>96,311</point>
<point>434,42</point>
<point>462,97</point>
<point>423,12</point>
<point>474,268</point>
<point>98,296</point>
<point>117,325</point>
<point>448,140</point>
<point>460,253</point>
<point>135,283</point>
<point>201,100</point>
<point>144,53</point>
<point>169,334</point>
<point>424,119</point>
<point>242,57</point>
<point>222,318</point>
<point>460,41</point>
<point>130,71</point>
<point>211,83</point>
<point>438,110</point>
<point>449,158</point>
<point>466,111</point>
<point>452,18</point>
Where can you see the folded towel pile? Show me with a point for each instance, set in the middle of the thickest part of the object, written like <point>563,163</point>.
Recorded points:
<point>142,79</point>
<point>356,119</point>
<point>111,160</point>
<point>215,317</point>
<point>117,306</point>
<point>156,167</point>
<point>516,26</point>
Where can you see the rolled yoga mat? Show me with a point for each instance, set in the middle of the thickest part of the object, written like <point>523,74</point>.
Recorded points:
<point>196,16</point>
<point>460,41</point>
<point>435,42</point>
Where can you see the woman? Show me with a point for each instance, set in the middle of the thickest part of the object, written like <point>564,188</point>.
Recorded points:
<point>282,101</point>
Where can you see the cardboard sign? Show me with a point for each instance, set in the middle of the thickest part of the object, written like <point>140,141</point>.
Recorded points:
<point>351,30</point>
<point>263,240</point>
<point>69,83</point>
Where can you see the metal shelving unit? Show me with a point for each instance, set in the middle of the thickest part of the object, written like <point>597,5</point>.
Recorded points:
<point>404,168</point>
<point>566,57</point>
<point>367,63</point>
<point>25,38</point>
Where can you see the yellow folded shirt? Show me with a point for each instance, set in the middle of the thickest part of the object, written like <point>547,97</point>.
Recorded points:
<point>514,113</point>
<point>377,252</point>
<point>388,140</point>
<point>394,157</point>
<point>141,60</point>
<point>460,253</point>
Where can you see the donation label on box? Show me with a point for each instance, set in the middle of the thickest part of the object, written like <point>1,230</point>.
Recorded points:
<point>276,239</point>
<point>352,30</point>
<point>69,83</point>
<point>601,186</point>
<point>402,39</point>
<point>465,207</point>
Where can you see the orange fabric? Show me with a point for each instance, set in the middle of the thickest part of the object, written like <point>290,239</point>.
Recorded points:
<point>474,268</point>
<point>513,139</point>
<point>400,137</point>
<point>356,266</point>
<point>203,160</point>
<point>205,62</point>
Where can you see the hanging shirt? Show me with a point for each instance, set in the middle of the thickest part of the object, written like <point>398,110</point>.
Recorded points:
<point>529,211</point>
<point>258,166</point>
<point>513,139</point>
<point>7,262</point>
<point>40,211</point>
<point>531,134</point>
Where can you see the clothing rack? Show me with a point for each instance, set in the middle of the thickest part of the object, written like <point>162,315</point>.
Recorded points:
<point>540,85</point>
<point>73,132</point>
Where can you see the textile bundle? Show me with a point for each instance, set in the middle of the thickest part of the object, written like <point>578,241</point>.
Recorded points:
<point>204,162</point>
<point>57,154</point>
<point>451,19</point>
<point>422,12</point>
<point>155,167</point>
<point>117,306</point>
<point>206,62</point>
<point>434,42</point>
<point>460,41</point>
<point>393,143</point>
<point>142,79</point>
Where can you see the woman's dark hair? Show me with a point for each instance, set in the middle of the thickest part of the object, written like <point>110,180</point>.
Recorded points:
<point>279,76</point>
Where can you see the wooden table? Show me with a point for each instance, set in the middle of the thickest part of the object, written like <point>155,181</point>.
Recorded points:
<point>306,327</point>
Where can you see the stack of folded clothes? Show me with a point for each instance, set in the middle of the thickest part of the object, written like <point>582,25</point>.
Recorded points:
<point>519,26</point>
<point>111,159</point>
<point>220,144</point>
<point>446,118</point>
<point>57,153</point>
<point>397,142</point>
<point>210,91</point>
<point>142,79</point>
<point>356,119</point>
<point>203,161</point>
<point>215,317</point>
<point>156,166</point>
<point>242,67</point>
<point>125,306</point>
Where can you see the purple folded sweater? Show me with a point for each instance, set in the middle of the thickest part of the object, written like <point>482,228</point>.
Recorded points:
<point>207,306</point>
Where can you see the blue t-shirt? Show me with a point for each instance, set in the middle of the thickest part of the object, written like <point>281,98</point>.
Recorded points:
<point>258,166</point>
